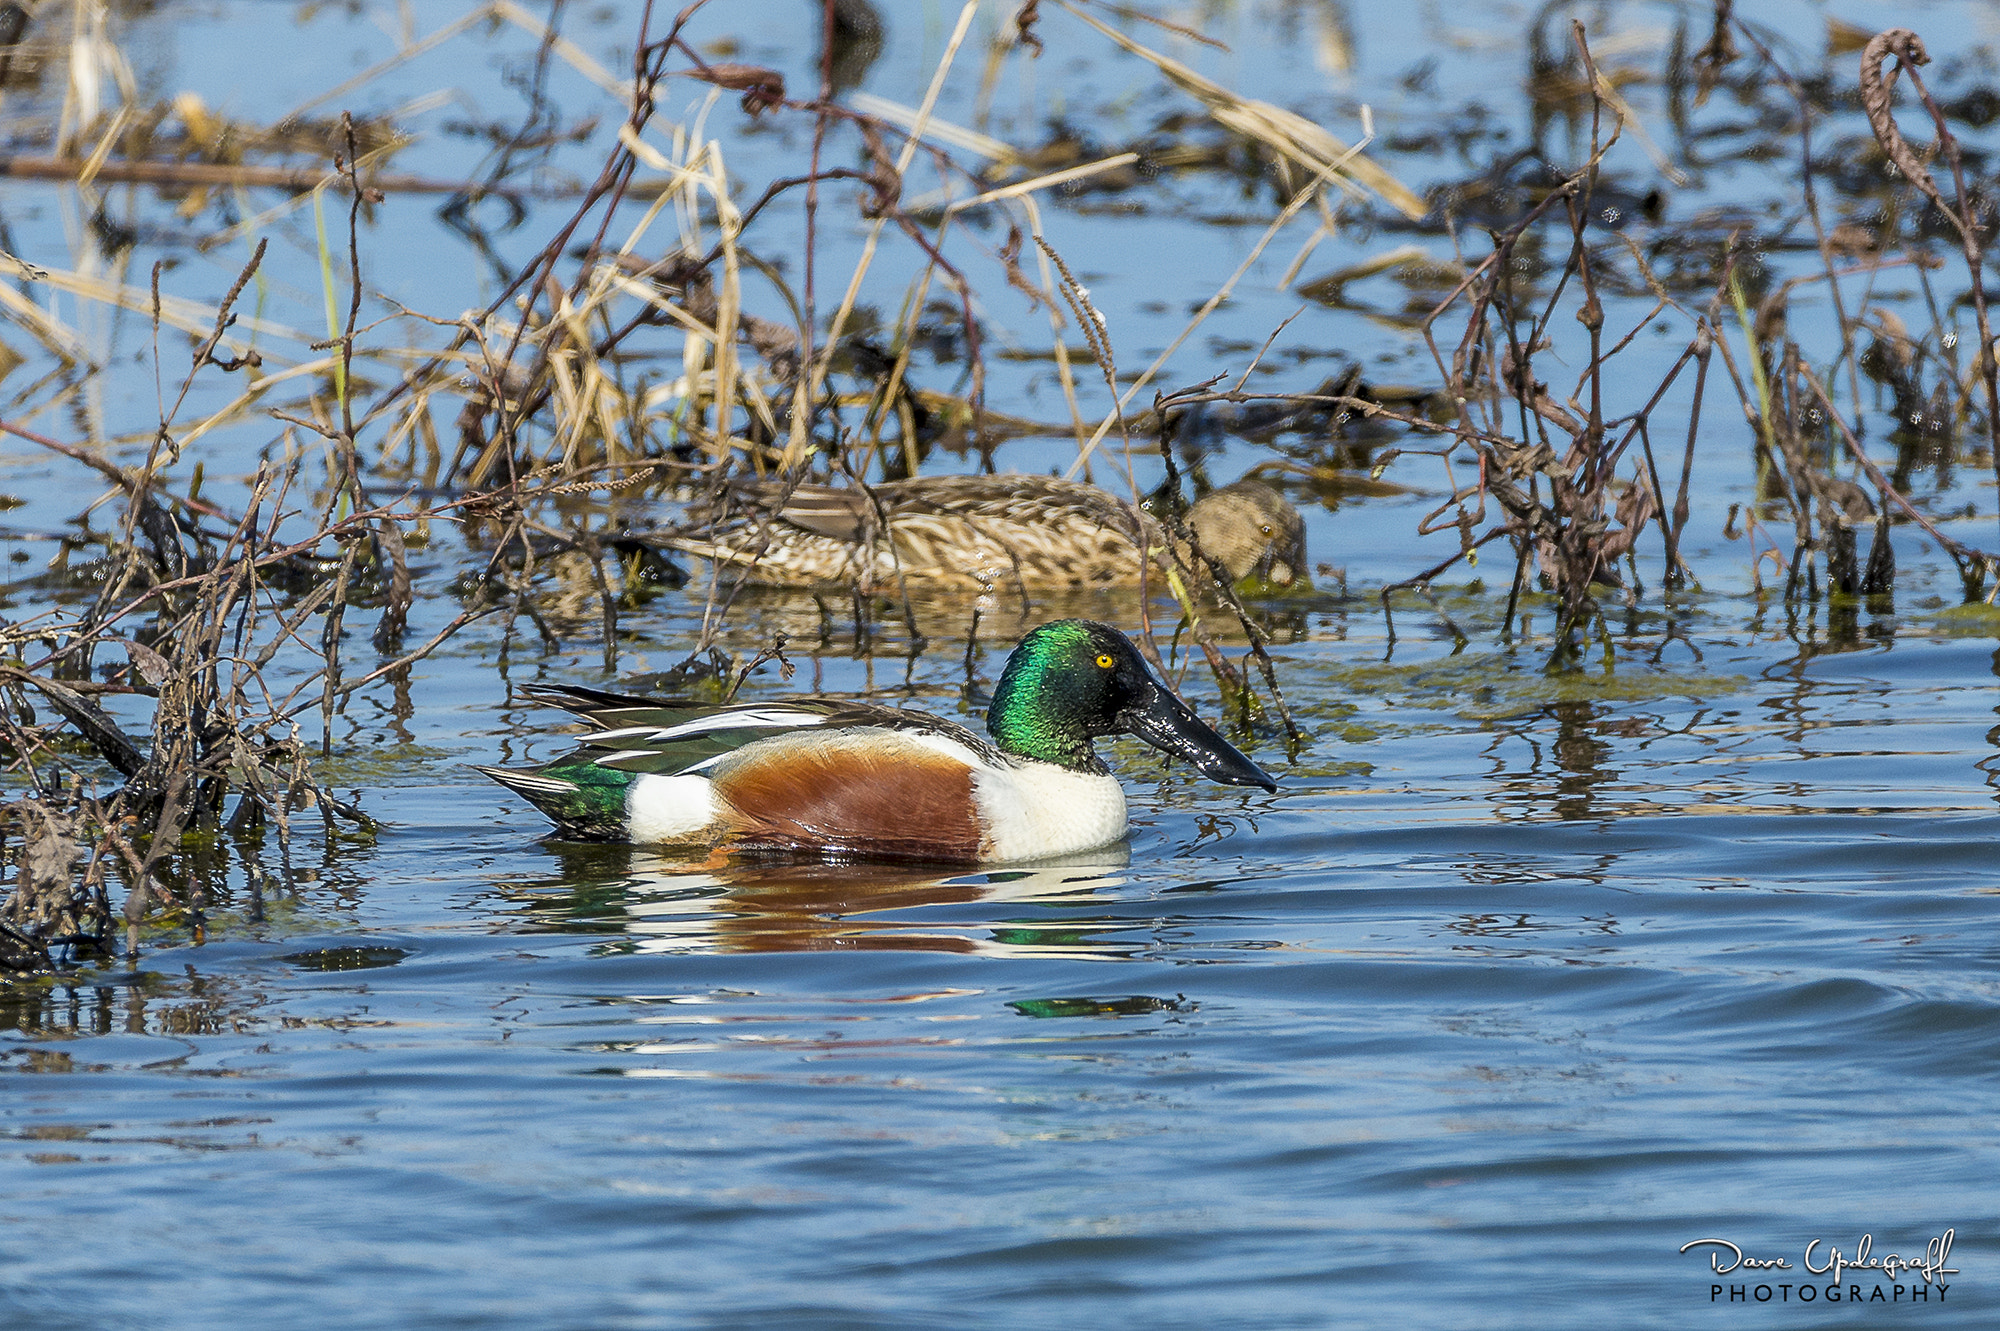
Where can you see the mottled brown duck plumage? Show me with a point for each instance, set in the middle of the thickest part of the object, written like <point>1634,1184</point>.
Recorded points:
<point>978,533</point>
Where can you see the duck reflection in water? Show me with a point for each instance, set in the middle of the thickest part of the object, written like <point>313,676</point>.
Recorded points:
<point>657,904</point>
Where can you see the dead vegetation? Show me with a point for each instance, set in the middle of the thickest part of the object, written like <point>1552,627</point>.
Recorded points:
<point>165,693</point>
<point>1550,459</point>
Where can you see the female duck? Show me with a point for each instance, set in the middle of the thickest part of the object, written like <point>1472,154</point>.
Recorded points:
<point>827,777</point>
<point>976,533</point>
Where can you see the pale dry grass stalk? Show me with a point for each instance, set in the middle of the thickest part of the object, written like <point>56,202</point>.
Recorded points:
<point>817,373</point>
<point>1293,138</point>
<point>1200,316</point>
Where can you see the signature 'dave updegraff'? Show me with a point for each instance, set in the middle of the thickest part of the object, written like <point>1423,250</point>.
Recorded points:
<point>840,779</point>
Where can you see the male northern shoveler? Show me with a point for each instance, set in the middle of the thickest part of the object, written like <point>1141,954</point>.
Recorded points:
<point>844,779</point>
<point>977,533</point>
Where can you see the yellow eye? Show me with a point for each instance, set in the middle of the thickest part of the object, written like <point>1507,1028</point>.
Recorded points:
<point>1104,661</point>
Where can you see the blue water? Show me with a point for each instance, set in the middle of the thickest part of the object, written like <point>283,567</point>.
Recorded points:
<point>1481,1034</point>
<point>1519,984</point>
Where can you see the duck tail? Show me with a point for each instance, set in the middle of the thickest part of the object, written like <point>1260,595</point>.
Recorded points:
<point>582,810</point>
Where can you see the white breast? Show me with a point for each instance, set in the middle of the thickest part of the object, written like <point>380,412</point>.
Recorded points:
<point>1032,810</point>
<point>668,808</point>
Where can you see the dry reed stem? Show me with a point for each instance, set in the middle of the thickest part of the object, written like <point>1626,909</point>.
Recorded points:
<point>818,371</point>
<point>1120,401</point>
<point>1286,133</point>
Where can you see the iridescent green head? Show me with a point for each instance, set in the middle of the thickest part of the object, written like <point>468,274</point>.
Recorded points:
<point>1074,680</point>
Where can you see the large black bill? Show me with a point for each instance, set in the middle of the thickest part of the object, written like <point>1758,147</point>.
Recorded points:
<point>1165,723</point>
